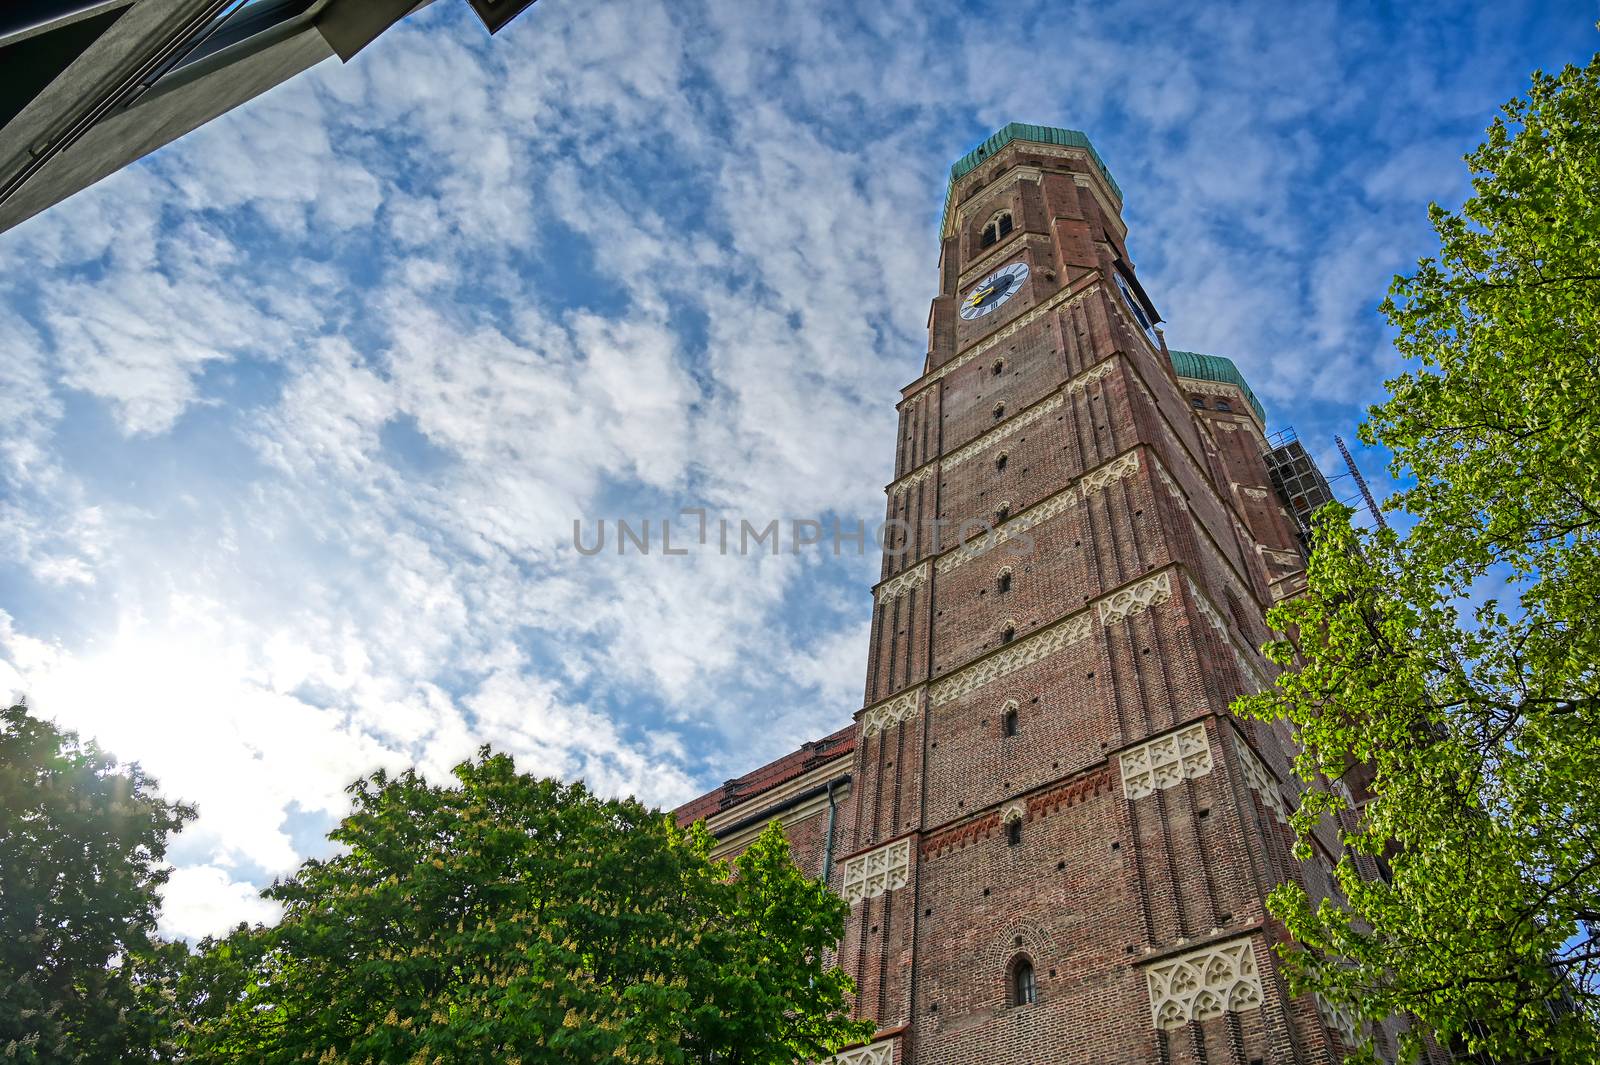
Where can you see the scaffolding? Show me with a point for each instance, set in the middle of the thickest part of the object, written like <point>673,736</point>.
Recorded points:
<point>1299,483</point>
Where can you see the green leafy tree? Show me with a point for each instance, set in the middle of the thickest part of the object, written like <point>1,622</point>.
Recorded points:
<point>1457,665</point>
<point>511,918</point>
<point>82,977</point>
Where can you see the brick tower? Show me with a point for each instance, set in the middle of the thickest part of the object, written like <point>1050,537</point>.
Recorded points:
<point>1056,840</point>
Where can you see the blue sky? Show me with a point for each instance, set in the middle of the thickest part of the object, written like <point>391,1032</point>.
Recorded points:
<point>296,415</point>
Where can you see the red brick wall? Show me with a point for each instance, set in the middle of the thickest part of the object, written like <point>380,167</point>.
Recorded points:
<point>1100,889</point>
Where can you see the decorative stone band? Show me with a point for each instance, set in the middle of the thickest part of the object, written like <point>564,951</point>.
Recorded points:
<point>1005,251</point>
<point>1034,649</point>
<point>1340,1020</point>
<point>1020,420</point>
<point>881,1053</point>
<point>1261,781</point>
<point>1009,427</point>
<point>1203,984</point>
<point>903,582</point>
<point>866,876</point>
<point>1210,613</point>
<point>1136,599</point>
<point>1065,297</point>
<point>1165,762</point>
<point>896,710</point>
<point>1093,481</point>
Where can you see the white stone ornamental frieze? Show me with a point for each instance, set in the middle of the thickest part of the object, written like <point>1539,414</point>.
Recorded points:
<point>884,715</point>
<point>1203,984</point>
<point>904,582</point>
<point>1262,782</point>
<point>872,1054</point>
<point>866,876</point>
<point>1093,481</point>
<point>1166,762</point>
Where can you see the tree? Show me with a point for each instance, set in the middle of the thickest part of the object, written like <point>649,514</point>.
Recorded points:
<point>81,847</point>
<point>1460,664</point>
<point>511,918</point>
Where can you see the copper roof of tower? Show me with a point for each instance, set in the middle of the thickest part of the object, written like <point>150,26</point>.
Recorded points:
<point>1024,131</point>
<point>1193,364</point>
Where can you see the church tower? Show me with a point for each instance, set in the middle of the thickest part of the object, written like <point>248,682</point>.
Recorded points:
<point>1056,840</point>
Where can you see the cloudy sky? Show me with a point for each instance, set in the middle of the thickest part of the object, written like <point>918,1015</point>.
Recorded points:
<point>297,414</point>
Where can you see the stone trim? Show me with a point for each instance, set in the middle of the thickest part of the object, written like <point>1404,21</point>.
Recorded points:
<point>1000,432</point>
<point>1129,601</point>
<point>1165,762</point>
<point>1040,645</point>
<point>878,718</point>
<point>1261,781</point>
<point>989,437</point>
<point>877,872</point>
<point>879,1053</point>
<point>903,582</point>
<point>1013,243</point>
<point>1203,984</point>
<point>1135,599</point>
<point>1339,1020</point>
<point>1214,617</point>
<point>1066,296</point>
<point>1124,465</point>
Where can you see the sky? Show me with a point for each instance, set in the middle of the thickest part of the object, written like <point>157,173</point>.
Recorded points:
<point>297,414</point>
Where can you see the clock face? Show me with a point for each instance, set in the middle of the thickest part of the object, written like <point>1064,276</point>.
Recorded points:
<point>994,290</point>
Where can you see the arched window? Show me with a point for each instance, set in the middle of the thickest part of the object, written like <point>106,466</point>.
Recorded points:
<point>1004,223</point>
<point>1198,402</point>
<point>1008,722</point>
<point>998,367</point>
<point>1224,406</point>
<point>1008,634</point>
<point>1023,991</point>
<point>1000,462</point>
<point>1002,513</point>
<point>991,233</point>
<point>999,411</point>
<point>999,226</point>
<point>1002,583</point>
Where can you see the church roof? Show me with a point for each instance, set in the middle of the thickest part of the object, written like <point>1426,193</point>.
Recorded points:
<point>754,783</point>
<point>1022,131</point>
<point>1193,364</point>
<point>1025,131</point>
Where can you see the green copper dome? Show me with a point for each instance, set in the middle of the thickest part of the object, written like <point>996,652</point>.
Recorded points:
<point>1023,131</point>
<point>1200,367</point>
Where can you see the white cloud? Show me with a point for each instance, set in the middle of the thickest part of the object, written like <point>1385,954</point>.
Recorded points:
<point>370,344</point>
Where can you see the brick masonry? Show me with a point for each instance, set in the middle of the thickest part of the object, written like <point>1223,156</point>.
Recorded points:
<point>1034,683</point>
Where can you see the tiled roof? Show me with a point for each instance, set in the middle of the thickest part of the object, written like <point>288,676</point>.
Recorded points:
<point>769,776</point>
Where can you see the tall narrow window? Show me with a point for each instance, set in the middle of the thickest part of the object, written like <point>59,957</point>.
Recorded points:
<point>1014,837</point>
<point>1008,634</point>
<point>1008,724</point>
<point>990,235</point>
<point>1003,582</point>
<point>1000,462</point>
<point>1023,990</point>
<point>999,411</point>
<point>1005,224</point>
